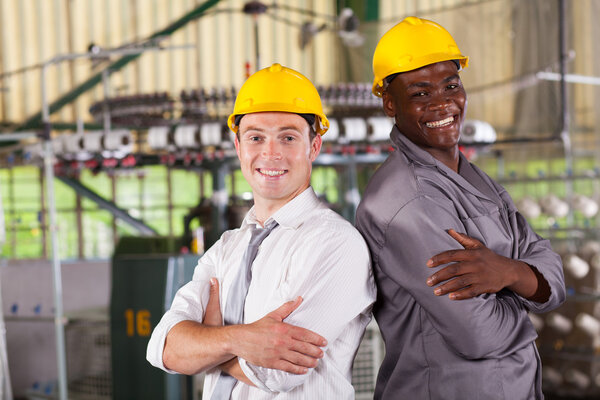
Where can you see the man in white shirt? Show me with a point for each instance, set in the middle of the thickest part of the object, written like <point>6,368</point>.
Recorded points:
<point>311,289</point>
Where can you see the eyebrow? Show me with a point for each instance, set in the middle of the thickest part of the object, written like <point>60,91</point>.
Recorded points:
<point>283,128</point>
<point>293,128</point>
<point>427,84</point>
<point>452,77</point>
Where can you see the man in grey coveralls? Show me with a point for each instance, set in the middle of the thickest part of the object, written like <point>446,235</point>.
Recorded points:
<point>413,209</point>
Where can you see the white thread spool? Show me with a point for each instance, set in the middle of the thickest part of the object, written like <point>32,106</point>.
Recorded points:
<point>186,136</point>
<point>118,140</point>
<point>551,376</point>
<point>380,128</point>
<point>585,205</point>
<point>577,266</point>
<point>217,134</point>
<point>158,137</point>
<point>58,145</point>
<point>92,141</point>
<point>554,206</point>
<point>529,207</point>
<point>577,378</point>
<point>588,324</point>
<point>559,322</point>
<point>210,133</point>
<point>333,133</point>
<point>72,143</point>
<point>536,321</point>
<point>355,129</point>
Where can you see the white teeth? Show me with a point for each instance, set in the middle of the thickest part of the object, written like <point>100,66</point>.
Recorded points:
<point>437,124</point>
<point>271,172</point>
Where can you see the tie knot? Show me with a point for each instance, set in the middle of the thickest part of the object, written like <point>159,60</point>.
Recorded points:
<point>271,225</point>
<point>259,234</point>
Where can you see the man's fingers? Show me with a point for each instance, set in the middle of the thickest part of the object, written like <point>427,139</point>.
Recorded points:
<point>286,309</point>
<point>454,285</point>
<point>302,360</point>
<point>466,241</point>
<point>214,290</point>
<point>213,308</point>
<point>449,256</point>
<point>307,336</point>
<point>312,350</point>
<point>449,272</point>
<point>287,366</point>
<point>465,293</point>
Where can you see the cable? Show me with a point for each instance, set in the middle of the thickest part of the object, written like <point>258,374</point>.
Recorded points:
<point>303,11</point>
<point>398,18</point>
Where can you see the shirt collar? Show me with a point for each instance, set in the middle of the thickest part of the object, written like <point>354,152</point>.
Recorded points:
<point>420,156</point>
<point>414,152</point>
<point>292,214</point>
<point>465,174</point>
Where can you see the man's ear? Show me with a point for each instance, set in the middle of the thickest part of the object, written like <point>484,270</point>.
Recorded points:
<point>389,107</point>
<point>315,147</point>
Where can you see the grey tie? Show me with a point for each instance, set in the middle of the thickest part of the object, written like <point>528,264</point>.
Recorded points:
<point>234,309</point>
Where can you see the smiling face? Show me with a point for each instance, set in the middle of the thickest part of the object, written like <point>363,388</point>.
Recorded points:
<point>429,105</point>
<point>276,156</point>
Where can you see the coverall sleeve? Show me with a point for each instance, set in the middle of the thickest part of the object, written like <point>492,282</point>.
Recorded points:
<point>538,253</point>
<point>487,326</point>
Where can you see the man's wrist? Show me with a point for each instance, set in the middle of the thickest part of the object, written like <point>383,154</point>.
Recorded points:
<point>229,342</point>
<point>526,280</point>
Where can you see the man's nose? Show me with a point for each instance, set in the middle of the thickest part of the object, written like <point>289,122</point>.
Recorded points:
<point>439,102</point>
<point>271,150</point>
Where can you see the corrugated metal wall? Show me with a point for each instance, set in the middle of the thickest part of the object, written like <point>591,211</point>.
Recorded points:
<point>211,51</point>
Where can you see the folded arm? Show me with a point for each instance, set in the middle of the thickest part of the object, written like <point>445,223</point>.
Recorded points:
<point>535,273</point>
<point>192,347</point>
<point>476,269</point>
<point>184,342</point>
<point>488,326</point>
<point>338,293</point>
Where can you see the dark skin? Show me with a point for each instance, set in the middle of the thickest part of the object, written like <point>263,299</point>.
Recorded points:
<point>428,105</point>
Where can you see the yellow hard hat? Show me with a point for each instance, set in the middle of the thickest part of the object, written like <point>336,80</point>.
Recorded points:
<point>278,88</point>
<point>411,44</point>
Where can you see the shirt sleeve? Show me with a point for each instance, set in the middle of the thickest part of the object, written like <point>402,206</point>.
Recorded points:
<point>188,304</point>
<point>334,277</point>
<point>538,253</point>
<point>487,326</point>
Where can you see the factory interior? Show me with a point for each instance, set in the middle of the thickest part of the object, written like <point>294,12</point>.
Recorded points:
<point>118,170</point>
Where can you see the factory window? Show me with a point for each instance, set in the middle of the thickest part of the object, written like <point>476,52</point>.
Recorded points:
<point>156,195</point>
<point>20,190</point>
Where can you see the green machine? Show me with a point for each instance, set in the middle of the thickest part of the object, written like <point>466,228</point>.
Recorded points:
<point>146,274</point>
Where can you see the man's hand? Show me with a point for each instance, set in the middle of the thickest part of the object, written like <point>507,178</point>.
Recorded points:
<point>271,343</point>
<point>477,270</point>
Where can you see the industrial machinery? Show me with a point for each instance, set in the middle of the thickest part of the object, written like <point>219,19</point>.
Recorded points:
<point>146,274</point>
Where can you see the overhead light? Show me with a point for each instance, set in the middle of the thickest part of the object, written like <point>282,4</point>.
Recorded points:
<point>348,24</point>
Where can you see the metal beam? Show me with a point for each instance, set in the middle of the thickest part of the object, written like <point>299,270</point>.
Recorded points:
<point>35,121</point>
<point>108,205</point>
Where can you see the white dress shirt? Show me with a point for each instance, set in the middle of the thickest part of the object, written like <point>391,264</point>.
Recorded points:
<point>313,253</point>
